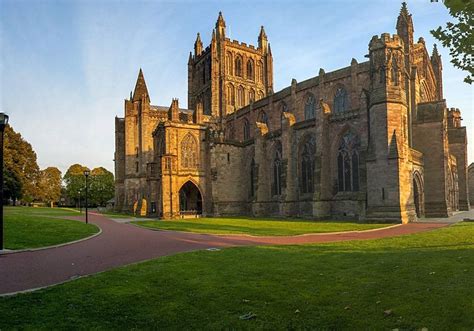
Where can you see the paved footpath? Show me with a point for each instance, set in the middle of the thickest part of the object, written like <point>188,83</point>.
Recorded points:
<point>121,244</point>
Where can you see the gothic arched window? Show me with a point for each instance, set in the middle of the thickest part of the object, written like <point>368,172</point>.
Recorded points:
<point>251,95</point>
<point>277,171</point>
<point>230,95</point>
<point>260,72</point>
<point>229,63</point>
<point>238,66</point>
<point>310,107</point>
<point>341,100</point>
<point>307,157</point>
<point>246,129</point>
<point>250,71</point>
<point>348,163</point>
<point>189,154</point>
<point>240,97</point>
<point>259,95</point>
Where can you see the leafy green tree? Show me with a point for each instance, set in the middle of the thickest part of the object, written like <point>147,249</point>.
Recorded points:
<point>50,185</point>
<point>102,186</point>
<point>11,186</point>
<point>20,165</point>
<point>74,182</point>
<point>459,36</point>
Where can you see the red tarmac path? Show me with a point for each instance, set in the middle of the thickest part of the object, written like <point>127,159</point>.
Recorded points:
<point>121,244</point>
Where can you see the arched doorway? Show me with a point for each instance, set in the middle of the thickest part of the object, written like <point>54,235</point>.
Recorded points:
<point>190,199</point>
<point>418,195</point>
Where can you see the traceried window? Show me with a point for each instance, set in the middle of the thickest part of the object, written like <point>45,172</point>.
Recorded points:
<point>251,95</point>
<point>240,97</point>
<point>238,66</point>
<point>246,129</point>
<point>307,157</point>
<point>259,95</point>
<point>310,107</point>
<point>229,63</point>
<point>260,72</point>
<point>341,100</point>
<point>250,70</point>
<point>277,171</point>
<point>189,154</point>
<point>348,163</point>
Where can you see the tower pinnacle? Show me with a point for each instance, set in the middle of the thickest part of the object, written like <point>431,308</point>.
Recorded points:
<point>140,88</point>
<point>220,27</point>
<point>405,26</point>
<point>198,45</point>
<point>263,40</point>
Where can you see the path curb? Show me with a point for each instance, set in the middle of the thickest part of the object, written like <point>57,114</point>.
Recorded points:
<point>53,246</point>
<point>238,235</point>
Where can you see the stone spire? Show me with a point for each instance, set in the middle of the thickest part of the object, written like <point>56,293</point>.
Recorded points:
<point>220,26</point>
<point>405,26</point>
<point>437,66</point>
<point>198,45</point>
<point>190,59</point>
<point>263,40</point>
<point>220,20</point>
<point>140,88</point>
<point>435,54</point>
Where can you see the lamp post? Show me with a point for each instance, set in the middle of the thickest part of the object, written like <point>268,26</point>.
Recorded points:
<point>86,174</point>
<point>3,123</point>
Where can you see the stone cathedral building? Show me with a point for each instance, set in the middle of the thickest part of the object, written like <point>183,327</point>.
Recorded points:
<point>370,141</point>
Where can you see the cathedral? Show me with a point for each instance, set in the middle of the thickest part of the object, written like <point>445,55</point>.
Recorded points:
<point>373,141</point>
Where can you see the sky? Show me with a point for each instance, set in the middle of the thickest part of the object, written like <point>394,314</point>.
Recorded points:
<point>67,66</point>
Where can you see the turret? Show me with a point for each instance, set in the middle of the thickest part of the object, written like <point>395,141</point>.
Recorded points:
<point>173,112</point>
<point>438,71</point>
<point>388,142</point>
<point>263,40</point>
<point>198,45</point>
<point>220,27</point>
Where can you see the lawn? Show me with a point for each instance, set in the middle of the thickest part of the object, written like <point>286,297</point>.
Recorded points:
<point>411,282</point>
<point>37,227</point>
<point>258,227</point>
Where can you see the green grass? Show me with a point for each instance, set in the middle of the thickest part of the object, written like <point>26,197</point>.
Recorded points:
<point>424,280</point>
<point>38,227</point>
<point>258,227</point>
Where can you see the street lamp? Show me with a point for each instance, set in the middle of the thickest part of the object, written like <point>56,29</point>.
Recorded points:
<point>3,123</point>
<point>86,173</point>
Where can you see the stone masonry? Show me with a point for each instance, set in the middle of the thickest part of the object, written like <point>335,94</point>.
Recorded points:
<point>372,141</point>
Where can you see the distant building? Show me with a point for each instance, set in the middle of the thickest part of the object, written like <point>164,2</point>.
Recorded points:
<point>373,141</point>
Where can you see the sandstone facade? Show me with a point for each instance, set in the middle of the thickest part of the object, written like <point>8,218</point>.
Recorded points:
<point>371,141</point>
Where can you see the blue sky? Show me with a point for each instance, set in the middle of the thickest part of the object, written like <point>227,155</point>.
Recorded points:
<point>67,66</point>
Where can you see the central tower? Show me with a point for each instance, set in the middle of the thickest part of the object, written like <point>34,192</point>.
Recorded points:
<point>228,75</point>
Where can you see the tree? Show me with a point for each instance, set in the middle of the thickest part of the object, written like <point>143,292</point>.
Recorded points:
<point>20,166</point>
<point>459,37</point>
<point>50,185</point>
<point>11,186</point>
<point>102,186</point>
<point>75,182</point>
